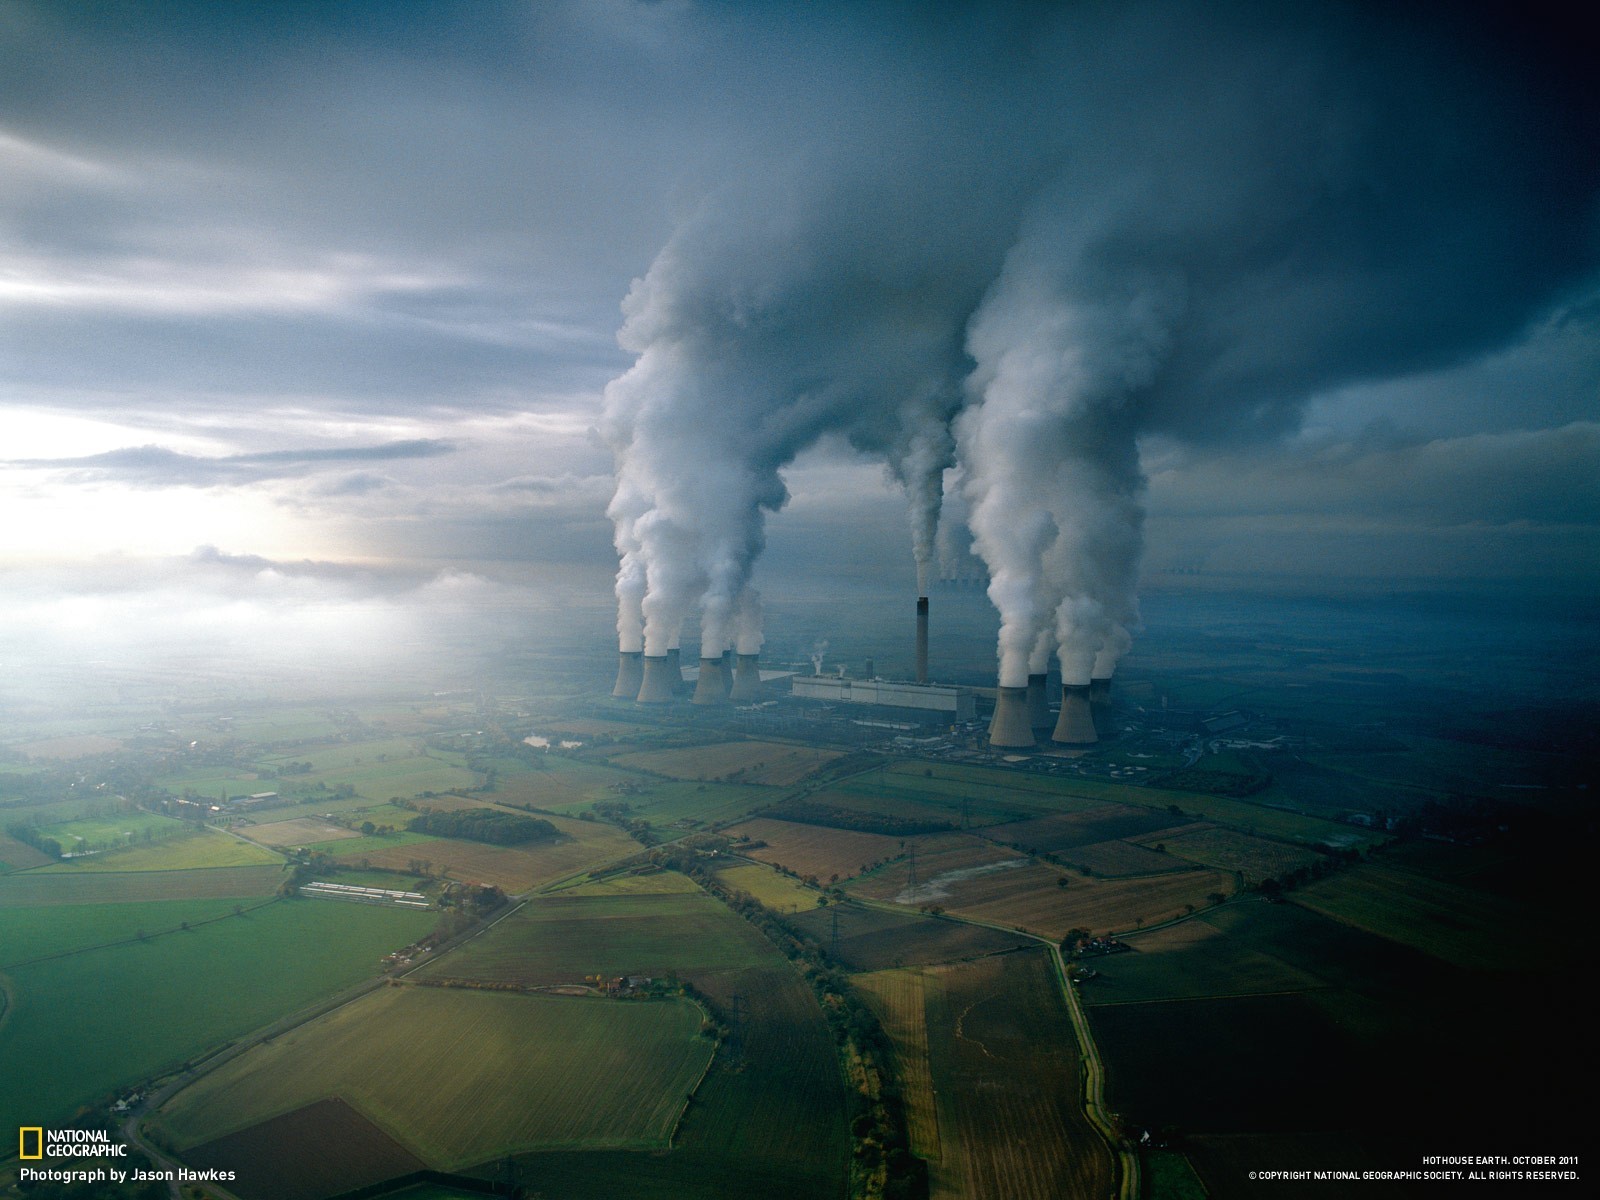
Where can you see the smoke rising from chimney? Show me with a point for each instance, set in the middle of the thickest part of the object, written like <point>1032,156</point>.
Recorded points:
<point>1025,265</point>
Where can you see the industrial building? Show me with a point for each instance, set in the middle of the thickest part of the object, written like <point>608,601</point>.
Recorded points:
<point>927,700</point>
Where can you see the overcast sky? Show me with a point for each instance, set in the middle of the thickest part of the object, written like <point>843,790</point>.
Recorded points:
<point>343,282</point>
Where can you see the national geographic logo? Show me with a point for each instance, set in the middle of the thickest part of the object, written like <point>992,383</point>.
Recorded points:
<point>36,1141</point>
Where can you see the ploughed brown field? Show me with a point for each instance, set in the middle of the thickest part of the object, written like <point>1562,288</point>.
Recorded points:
<point>319,1150</point>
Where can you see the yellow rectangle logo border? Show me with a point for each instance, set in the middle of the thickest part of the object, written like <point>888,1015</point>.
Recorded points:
<point>22,1140</point>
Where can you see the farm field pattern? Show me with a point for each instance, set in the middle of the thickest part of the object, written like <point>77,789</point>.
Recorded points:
<point>1280,949</point>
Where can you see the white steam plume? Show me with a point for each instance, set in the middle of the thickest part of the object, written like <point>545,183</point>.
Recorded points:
<point>748,637</point>
<point>1167,219</point>
<point>756,338</point>
<point>1218,247</point>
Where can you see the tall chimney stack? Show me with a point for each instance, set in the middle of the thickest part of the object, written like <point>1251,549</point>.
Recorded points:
<point>1038,709</point>
<point>709,689</point>
<point>746,678</point>
<point>630,674</point>
<point>1010,728</point>
<point>922,639</point>
<point>680,685</point>
<point>656,687</point>
<point>727,672</point>
<point>1075,726</point>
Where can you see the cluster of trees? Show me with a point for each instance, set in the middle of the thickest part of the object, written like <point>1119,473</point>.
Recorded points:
<point>1331,861</point>
<point>1213,783</point>
<point>94,778</point>
<point>810,812</point>
<point>30,835</point>
<point>480,899</point>
<point>307,866</point>
<point>488,825</point>
<point>618,813</point>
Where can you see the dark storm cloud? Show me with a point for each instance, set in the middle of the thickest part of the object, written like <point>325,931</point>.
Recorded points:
<point>1547,477</point>
<point>410,215</point>
<point>157,466</point>
<point>380,209</point>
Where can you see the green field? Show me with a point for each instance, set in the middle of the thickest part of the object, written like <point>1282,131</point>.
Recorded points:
<point>567,785</point>
<point>1253,858</point>
<point>1462,925</point>
<point>1193,959</point>
<point>402,777</point>
<point>1205,1021</point>
<point>462,1076</point>
<point>560,939</point>
<point>871,939</point>
<point>100,887</point>
<point>779,892</point>
<point>1167,1175</point>
<point>774,763</point>
<point>69,1038</point>
<point>630,884</point>
<point>774,1123</point>
<point>1035,795</point>
<point>1225,1065</point>
<point>558,783</point>
<point>89,834</point>
<point>1250,946</point>
<point>987,796</point>
<point>43,931</point>
<point>285,725</point>
<point>207,849</point>
<point>342,755</point>
<point>1004,1067</point>
<point>369,844</point>
<point>215,783</point>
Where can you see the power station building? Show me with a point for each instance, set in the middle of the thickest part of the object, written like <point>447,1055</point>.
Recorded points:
<point>929,701</point>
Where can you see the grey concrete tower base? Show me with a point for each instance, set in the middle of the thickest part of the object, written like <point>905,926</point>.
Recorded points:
<point>709,688</point>
<point>1100,706</point>
<point>1010,729</point>
<point>746,678</point>
<point>1075,726</point>
<point>630,674</point>
<point>1038,710</point>
<point>657,685</point>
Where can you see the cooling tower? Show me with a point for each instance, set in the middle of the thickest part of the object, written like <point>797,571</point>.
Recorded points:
<point>657,685</point>
<point>746,678</point>
<point>680,685</point>
<point>630,674</point>
<point>1100,706</point>
<point>1010,728</point>
<point>1075,727</point>
<point>1038,710</point>
<point>922,639</point>
<point>709,689</point>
